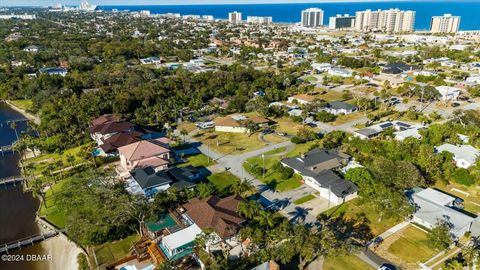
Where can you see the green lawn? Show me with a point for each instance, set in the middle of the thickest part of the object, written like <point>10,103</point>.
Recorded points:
<point>222,181</point>
<point>275,151</point>
<point>24,104</point>
<point>52,212</point>
<point>114,251</point>
<point>272,178</point>
<point>199,160</point>
<point>355,208</point>
<point>304,199</point>
<point>413,246</point>
<point>346,262</point>
<point>41,162</point>
<point>300,149</point>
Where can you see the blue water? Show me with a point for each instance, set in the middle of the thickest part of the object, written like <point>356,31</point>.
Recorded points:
<point>290,13</point>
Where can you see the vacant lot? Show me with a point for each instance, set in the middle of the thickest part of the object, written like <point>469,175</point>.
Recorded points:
<point>271,177</point>
<point>412,246</point>
<point>111,252</point>
<point>470,195</point>
<point>345,262</point>
<point>199,160</point>
<point>356,208</point>
<point>222,181</point>
<point>229,142</point>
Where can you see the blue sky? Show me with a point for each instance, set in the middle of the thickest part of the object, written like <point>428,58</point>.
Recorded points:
<point>160,2</point>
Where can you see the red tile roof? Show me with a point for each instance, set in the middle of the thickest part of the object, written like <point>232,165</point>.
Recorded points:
<point>142,150</point>
<point>218,214</point>
<point>119,140</point>
<point>104,119</point>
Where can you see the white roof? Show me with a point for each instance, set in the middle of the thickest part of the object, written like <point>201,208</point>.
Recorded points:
<point>413,132</point>
<point>464,152</point>
<point>435,196</point>
<point>447,90</point>
<point>182,237</point>
<point>430,209</point>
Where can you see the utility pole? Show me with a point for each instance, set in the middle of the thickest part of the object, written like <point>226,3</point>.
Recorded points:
<point>263,170</point>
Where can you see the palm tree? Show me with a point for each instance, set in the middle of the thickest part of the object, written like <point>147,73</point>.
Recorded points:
<point>249,209</point>
<point>70,159</point>
<point>265,218</point>
<point>205,190</point>
<point>37,191</point>
<point>184,133</point>
<point>13,125</point>
<point>241,187</point>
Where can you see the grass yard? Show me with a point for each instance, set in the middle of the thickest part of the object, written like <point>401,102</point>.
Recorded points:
<point>355,208</point>
<point>187,126</point>
<point>272,178</point>
<point>304,199</point>
<point>223,180</point>
<point>342,119</point>
<point>285,124</point>
<point>412,246</point>
<point>199,160</point>
<point>330,96</point>
<point>52,212</point>
<point>300,149</point>
<point>274,138</point>
<point>469,195</point>
<point>346,262</point>
<point>229,142</point>
<point>275,151</point>
<point>114,251</point>
<point>42,162</point>
<point>24,104</point>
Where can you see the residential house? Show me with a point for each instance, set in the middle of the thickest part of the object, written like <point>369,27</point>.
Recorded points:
<point>270,265</point>
<point>301,99</point>
<point>448,93</point>
<point>397,68</point>
<point>340,72</point>
<point>239,123</point>
<point>321,67</point>
<point>142,154</point>
<point>148,181</point>
<point>32,48</point>
<point>110,145</point>
<point>54,71</point>
<point>433,206</point>
<point>463,155</point>
<point>151,61</point>
<point>316,167</point>
<point>340,107</point>
<point>219,215</point>
<point>102,132</point>
<point>374,130</point>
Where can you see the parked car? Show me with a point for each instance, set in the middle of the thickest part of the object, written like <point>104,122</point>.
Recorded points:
<point>267,131</point>
<point>387,266</point>
<point>455,104</point>
<point>283,134</point>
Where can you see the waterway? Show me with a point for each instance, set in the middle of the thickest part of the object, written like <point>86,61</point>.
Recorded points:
<point>17,209</point>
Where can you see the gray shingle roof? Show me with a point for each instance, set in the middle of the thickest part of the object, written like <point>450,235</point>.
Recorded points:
<point>339,105</point>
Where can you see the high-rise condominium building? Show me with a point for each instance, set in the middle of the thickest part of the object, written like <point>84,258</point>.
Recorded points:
<point>445,24</point>
<point>257,19</point>
<point>235,17</point>
<point>392,20</point>
<point>312,17</point>
<point>341,21</point>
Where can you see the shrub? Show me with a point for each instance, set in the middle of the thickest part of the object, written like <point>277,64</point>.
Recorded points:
<point>286,173</point>
<point>297,140</point>
<point>324,116</point>
<point>462,176</point>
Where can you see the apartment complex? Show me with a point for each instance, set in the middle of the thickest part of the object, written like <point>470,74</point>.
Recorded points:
<point>392,20</point>
<point>258,19</point>
<point>235,17</point>
<point>312,17</point>
<point>341,21</point>
<point>445,24</point>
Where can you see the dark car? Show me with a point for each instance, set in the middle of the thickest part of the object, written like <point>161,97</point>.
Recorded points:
<point>387,266</point>
<point>455,104</point>
<point>267,131</point>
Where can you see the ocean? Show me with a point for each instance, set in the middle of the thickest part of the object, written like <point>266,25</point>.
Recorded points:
<point>290,13</point>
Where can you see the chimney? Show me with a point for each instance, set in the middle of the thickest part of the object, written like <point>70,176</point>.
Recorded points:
<point>272,265</point>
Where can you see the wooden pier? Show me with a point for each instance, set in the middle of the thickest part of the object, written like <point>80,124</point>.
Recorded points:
<point>6,248</point>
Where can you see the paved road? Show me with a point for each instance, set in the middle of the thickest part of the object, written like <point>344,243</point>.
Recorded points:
<point>234,164</point>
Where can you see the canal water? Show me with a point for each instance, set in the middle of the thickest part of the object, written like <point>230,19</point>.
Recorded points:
<point>17,209</point>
